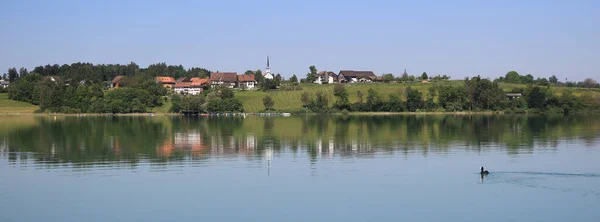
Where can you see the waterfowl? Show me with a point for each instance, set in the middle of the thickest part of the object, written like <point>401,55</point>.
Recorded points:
<point>484,172</point>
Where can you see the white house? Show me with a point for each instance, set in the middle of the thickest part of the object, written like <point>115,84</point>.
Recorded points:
<point>325,77</point>
<point>4,84</point>
<point>246,81</point>
<point>193,87</point>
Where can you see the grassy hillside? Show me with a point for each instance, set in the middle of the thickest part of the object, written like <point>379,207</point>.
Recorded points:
<point>290,100</point>
<point>10,106</point>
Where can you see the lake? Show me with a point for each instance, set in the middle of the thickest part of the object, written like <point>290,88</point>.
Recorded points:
<point>300,168</point>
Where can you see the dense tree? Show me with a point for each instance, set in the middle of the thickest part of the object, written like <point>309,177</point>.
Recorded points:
<point>395,103</point>
<point>312,75</point>
<point>226,93</point>
<point>269,84</point>
<point>127,100</point>
<point>414,99</point>
<point>175,104</point>
<point>553,80</point>
<point>278,79</point>
<point>268,102</point>
<point>528,79</point>
<point>294,79</point>
<point>225,105</point>
<point>374,101</point>
<point>12,74</point>
<point>320,104</point>
<point>4,76</point>
<point>342,102</point>
<point>512,77</point>
<point>192,104</point>
<point>453,98</point>
<point>430,104</point>
<point>258,76</point>
<point>23,72</point>
<point>52,95</point>
<point>424,76</point>
<point>542,81</point>
<point>26,89</point>
<point>483,93</point>
<point>589,83</point>
<point>388,77</point>
<point>536,98</point>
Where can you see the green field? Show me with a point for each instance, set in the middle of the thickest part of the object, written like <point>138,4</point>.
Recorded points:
<point>8,106</point>
<point>290,100</point>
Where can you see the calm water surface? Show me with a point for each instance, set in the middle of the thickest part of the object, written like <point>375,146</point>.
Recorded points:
<point>383,168</point>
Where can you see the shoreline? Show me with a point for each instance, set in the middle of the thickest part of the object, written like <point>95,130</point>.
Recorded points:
<point>259,114</point>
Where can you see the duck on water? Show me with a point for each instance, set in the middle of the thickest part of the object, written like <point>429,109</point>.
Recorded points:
<point>484,172</point>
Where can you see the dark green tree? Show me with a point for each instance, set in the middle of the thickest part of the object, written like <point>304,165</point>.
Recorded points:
<point>175,104</point>
<point>553,80</point>
<point>342,102</point>
<point>374,101</point>
<point>424,76</point>
<point>268,103</point>
<point>294,79</point>
<point>536,98</point>
<point>312,75</point>
<point>414,99</point>
<point>12,74</point>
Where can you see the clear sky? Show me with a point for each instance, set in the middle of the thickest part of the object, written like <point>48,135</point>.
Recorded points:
<point>457,38</point>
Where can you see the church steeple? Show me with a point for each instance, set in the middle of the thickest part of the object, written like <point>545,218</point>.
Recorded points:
<point>267,73</point>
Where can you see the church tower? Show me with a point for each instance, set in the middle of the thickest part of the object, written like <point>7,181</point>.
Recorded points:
<point>268,74</point>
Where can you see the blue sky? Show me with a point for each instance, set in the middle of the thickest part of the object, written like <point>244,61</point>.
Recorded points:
<point>457,38</point>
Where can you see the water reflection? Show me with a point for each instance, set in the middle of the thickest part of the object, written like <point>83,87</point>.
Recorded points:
<point>125,141</point>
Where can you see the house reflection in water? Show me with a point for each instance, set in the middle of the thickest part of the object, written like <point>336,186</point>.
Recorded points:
<point>189,141</point>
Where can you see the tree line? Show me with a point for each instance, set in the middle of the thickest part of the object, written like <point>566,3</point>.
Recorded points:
<point>54,95</point>
<point>476,94</point>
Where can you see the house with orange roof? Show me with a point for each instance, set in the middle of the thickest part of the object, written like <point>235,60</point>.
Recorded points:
<point>166,81</point>
<point>246,81</point>
<point>193,87</point>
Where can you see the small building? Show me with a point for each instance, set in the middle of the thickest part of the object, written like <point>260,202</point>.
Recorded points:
<point>4,84</point>
<point>225,79</point>
<point>194,86</point>
<point>116,82</point>
<point>326,77</point>
<point>165,81</point>
<point>246,81</point>
<point>513,95</point>
<point>351,76</point>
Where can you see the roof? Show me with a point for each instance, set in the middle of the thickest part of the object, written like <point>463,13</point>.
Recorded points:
<point>182,79</point>
<point>357,74</point>
<point>199,81</point>
<point>164,79</point>
<point>187,84</point>
<point>246,78</point>
<point>4,82</point>
<point>223,76</point>
<point>330,73</point>
<point>117,79</point>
